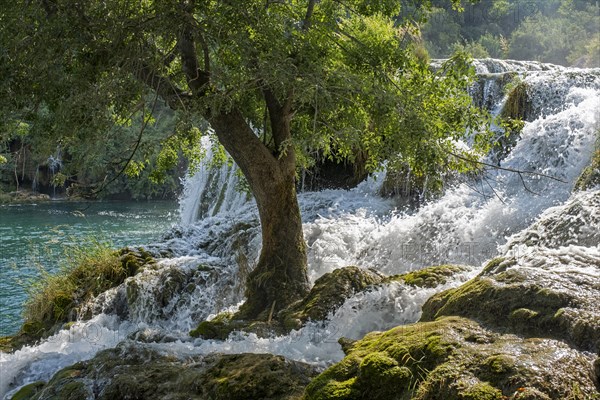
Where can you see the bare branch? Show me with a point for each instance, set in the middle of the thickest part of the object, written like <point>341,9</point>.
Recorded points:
<point>167,90</point>
<point>516,171</point>
<point>135,147</point>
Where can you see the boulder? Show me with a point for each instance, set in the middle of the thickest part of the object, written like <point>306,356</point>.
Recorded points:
<point>56,306</point>
<point>138,372</point>
<point>542,295</point>
<point>455,358</point>
<point>328,293</point>
<point>429,277</point>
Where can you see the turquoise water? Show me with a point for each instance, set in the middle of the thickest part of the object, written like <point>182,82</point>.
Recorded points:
<point>33,235</point>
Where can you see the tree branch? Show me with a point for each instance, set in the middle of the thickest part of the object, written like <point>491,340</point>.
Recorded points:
<point>279,117</point>
<point>198,79</point>
<point>309,12</point>
<point>171,94</point>
<point>516,171</point>
<point>135,147</point>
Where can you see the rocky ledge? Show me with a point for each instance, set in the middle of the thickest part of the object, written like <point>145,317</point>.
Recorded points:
<point>137,372</point>
<point>527,327</point>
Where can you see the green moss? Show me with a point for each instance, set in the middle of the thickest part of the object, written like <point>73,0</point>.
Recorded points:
<point>481,391</point>
<point>338,390</point>
<point>500,364</point>
<point>218,328</point>
<point>388,364</point>
<point>523,314</point>
<point>28,392</point>
<point>438,360</point>
<point>528,308</point>
<point>590,176</point>
<point>329,292</point>
<point>428,277</point>
<point>88,270</point>
<point>518,105</point>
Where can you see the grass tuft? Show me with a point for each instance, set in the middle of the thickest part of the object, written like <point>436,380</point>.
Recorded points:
<point>88,269</point>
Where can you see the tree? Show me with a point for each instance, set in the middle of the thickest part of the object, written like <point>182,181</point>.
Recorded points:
<point>272,78</point>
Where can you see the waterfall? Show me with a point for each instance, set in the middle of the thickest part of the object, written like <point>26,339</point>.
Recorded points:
<point>220,235</point>
<point>210,190</point>
<point>55,164</point>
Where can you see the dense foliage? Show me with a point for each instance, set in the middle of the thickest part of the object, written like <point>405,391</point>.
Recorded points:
<point>565,32</point>
<point>71,83</point>
<point>276,81</point>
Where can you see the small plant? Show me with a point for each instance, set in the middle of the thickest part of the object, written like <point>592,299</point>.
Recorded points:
<point>88,270</point>
<point>517,106</point>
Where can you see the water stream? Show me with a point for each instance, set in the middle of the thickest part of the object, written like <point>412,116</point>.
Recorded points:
<point>220,232</point>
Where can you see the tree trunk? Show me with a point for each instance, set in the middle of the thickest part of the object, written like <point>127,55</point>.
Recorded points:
<point>280,278</point>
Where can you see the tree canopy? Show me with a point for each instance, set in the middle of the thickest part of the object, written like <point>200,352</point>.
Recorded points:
<point>74,70</point>
<point>277,81</point>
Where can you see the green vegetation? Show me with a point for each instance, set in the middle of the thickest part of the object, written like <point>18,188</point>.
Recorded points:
<point>518,105</point>
<point>429,277</point>
<point>316,77</point>
<point>328,294</point>
<point>535,302</point>
<point>119,165</point>
<point>453,358</point>
<point>90,269</point>
<point>138,373</point>
<point>56,299</point>
<point>590,176</point>
<point>564,32</point>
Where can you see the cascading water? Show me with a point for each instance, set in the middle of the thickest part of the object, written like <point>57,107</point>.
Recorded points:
<point>204,260</point>
<point>211,190</point>
<point>54,165</point>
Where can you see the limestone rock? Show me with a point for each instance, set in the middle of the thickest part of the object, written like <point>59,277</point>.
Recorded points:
<point>137,372</point>
<point>455,358</point>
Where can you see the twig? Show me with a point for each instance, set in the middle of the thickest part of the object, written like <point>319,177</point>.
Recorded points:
<point>271,312</point>
<point>516,171</point>
<point>135,148</point>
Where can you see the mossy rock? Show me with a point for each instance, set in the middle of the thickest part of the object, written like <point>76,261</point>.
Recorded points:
<point>254,376</point>
<point>590,177</point>
<point>136,372</point>
<point>429,277</point>
<point>511,295</point>
<point>65,384</point>
<point>63,302</point>
<point>218,328</point>
<point>518,105</point>
<point>28,392</point>
<point>577,222</point>
<point>329,293</point>
<point>454,358</point>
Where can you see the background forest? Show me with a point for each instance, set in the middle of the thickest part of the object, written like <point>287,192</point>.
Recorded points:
<point>124,164</point>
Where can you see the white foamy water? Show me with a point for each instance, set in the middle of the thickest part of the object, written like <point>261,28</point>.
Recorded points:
<point>199,275</point>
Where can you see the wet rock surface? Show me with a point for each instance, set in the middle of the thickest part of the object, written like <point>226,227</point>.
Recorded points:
<point>328,293</point>
<point>527,327</point>
<point>456,358</point>
<point>138,372</point>
<point>543,295</point>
